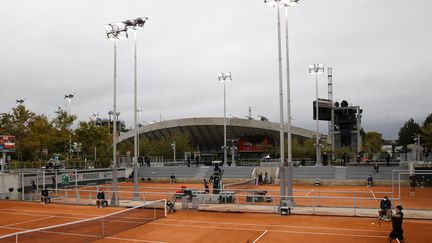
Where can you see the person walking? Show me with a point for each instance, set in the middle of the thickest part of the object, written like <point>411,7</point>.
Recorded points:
<point>388,159</point>
<point>413,184</point>
<point>397,231</point>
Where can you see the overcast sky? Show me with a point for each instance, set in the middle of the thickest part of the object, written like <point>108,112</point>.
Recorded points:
<point>379,50</point>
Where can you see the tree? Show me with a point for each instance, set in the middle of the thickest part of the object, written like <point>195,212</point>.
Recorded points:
<point>19,127</point>
<point>372,143</point>
<point>427,121</point>
<point>40,137</point>
<point>408,132</point>
<point>62,123</point>
<point>91,136</point>
<point>427,136</point>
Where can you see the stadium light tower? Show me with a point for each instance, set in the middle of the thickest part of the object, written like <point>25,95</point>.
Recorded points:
<point>115,32</point>
<point>317,69</point>
<point>135,24</point>
<point>277,4</point>
<point>69,97</point>
<point>223,77</point>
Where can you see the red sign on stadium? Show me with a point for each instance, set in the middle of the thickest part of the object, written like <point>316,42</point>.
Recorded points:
<point>7,143</point>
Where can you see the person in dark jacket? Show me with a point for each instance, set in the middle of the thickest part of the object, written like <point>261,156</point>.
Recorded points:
<point>206,186</point>
<point>385,209</point>
<point>413,184</point>
<point>100,198</point>
<point>397,231</point>
<point>44,196</point>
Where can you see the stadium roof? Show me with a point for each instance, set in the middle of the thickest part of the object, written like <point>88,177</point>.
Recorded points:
<point>208,131</point>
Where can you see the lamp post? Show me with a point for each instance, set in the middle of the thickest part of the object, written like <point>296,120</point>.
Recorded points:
<point>69,97</point>
<point>286,4</point>
<point>223,77</point>
<point>282,183</point>
<point>115,32</point>
<point>135,24</point>
<point>317,69</point>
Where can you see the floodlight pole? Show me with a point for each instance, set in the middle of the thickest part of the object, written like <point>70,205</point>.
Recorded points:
<point>225,77</point>
<point>69,98</point>
<point>114,198</point>
<point>316,69</point>
<point>318,149</point>
<point>135,196</point>
<point>289,141</point>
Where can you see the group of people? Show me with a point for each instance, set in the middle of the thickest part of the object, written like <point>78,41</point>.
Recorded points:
<point>264,180</point>
<point>386,214</point>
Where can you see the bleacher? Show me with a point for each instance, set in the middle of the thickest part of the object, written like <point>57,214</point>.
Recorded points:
<point>234,172</point>
<point>356,172</point>
<point>194,172</point>
<point>165,172</point>
<point>384,172</point>
<point>312,172</point>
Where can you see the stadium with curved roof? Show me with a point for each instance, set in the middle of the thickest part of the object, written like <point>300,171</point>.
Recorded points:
<point>208,132</point>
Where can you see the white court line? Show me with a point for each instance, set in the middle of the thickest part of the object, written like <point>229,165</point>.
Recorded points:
<point>373,194</point>
<point>280,231</point>
<point>55,216</point>
<point>134,240</point>
<point>273,225</point>
<point>28,221</point>
<point>307,194</point>
<point>256,240</point>
<point>51,212</point>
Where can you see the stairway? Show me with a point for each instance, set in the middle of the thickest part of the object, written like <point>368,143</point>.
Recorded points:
<point>340,173</point>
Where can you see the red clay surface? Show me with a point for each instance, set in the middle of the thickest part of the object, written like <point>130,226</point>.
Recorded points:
<point>365,197</point>
<point>192,226</point>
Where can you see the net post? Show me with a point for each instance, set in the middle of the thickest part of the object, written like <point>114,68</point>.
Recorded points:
<point>164,206</point>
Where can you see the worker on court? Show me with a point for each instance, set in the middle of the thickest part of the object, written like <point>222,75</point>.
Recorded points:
<point>397,232</point>
<point>385,209</point>
<point>100,198</point>
<point>413,184</point>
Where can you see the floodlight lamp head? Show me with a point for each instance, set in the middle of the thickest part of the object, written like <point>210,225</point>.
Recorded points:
<point>139,22</point>
<point>271,3</point>
<point>316,68</point>
<point>290,3</point>
<point>220,76</point>
<point>129,23</point>
<point>228,75</point>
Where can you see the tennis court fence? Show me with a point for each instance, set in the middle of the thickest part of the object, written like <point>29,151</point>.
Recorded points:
<point>94,228</point>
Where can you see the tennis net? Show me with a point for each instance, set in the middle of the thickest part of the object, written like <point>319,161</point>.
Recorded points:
<point>94,228</point>
<point>241,186</point>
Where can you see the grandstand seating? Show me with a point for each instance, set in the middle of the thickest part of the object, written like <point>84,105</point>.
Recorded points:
<point>305,172</point>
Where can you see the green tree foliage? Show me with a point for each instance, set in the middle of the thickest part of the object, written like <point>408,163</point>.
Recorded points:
<point>18,126</point>
<point>408,132</point>
<point>91,136</point>
<point>62,123</point>
<point>40,137</point>
<point>427,121</point>
<point>427,136</point>
<point>372,143</point>
<point>162,147</point>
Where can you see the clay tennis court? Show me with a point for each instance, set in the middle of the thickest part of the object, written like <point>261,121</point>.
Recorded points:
<point>193,226</point>
<point>330,196</point>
